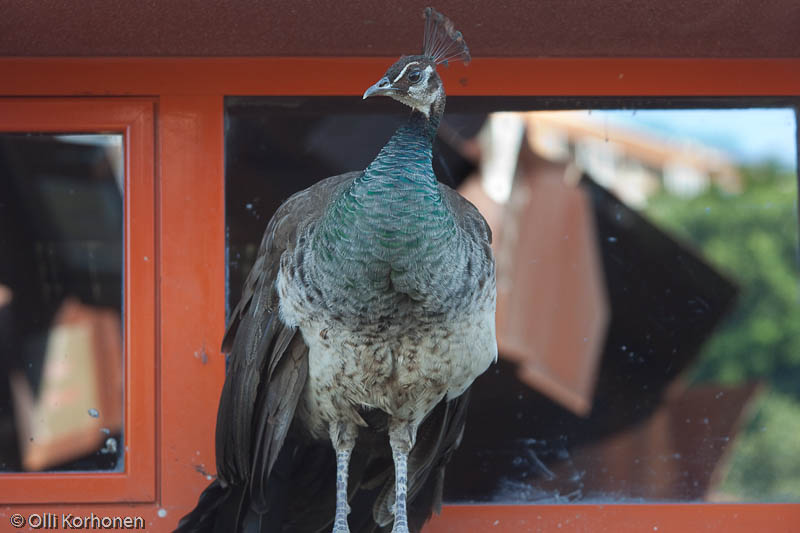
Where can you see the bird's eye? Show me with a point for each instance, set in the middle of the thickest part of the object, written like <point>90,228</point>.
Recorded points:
<point>414,76</point>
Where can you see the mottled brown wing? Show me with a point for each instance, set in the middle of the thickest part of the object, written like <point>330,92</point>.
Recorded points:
<point>267,363</point>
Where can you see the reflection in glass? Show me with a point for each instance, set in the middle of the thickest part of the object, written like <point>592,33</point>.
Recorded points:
<point>648,321</point>
<point>60,302</point>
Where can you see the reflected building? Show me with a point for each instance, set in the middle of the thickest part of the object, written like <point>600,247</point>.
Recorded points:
<point>599,314</point>
<point>61,283</point>
<point>633,164</point>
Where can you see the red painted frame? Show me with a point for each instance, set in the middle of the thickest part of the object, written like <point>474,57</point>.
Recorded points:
<point>135,120</point>
<point>189,252</point>
<point>350,76</point>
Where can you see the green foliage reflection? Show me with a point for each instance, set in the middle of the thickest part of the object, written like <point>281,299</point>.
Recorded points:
<point>752,237</point>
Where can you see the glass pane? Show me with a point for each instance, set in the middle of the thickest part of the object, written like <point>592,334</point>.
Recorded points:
<point>61,399</point>
<point>647,284</point>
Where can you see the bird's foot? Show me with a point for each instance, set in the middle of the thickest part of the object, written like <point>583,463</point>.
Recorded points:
<point>399,527</point>
<point>343,438</point>
<point>340,526</point>
<point>400,519</point>
<point>400,448</point>
<point>340,521</point>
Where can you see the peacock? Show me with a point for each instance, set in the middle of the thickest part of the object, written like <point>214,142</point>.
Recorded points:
<point>367,315</point>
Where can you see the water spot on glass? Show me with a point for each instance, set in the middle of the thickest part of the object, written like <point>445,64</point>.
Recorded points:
<point>676,456</point>
<point>162,513</point>
<point>496,523</point>
<point>623,347</point>
<point>612,239</point>
<point>146,258</point>
<point>519,396</point>
<point>705,420</point>
<point>248,206</point>
<point>94,413</point>
<point>110,447</point>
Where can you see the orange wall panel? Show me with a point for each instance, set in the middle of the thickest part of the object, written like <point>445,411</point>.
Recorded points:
<point>191,290</point>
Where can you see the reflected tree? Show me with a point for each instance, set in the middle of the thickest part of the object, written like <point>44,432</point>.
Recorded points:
<point>753,237</point>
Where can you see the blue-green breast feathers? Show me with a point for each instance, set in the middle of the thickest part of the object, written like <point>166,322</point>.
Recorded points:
<point>390,233</point>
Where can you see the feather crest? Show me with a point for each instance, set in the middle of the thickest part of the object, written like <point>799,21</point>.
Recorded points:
<point>442,41</point>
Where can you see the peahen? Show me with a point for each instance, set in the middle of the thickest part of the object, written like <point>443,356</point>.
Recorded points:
<point>366,317</point>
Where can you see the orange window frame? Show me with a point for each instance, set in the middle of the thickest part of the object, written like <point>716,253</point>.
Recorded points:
<point>134,119</point>
<point>187,232</point>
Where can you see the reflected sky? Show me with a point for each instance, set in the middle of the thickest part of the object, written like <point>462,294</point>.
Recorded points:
<point>747,135</point>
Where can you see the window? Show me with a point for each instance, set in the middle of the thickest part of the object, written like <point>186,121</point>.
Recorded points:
<point>78,415</point>
<point>62,327</point>
<point>644,356</point>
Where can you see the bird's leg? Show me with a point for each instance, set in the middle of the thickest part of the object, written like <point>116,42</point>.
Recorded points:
<point>401,439</point>
<point>343,437</point>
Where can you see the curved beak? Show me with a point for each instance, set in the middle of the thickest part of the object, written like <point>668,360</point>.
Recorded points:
<point>384,86</point>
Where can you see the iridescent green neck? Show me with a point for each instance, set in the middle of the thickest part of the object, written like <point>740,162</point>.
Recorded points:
<point>407,156</point>
<point>392,221</point>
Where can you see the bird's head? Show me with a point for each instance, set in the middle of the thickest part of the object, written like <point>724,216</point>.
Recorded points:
<point>413,80</point>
